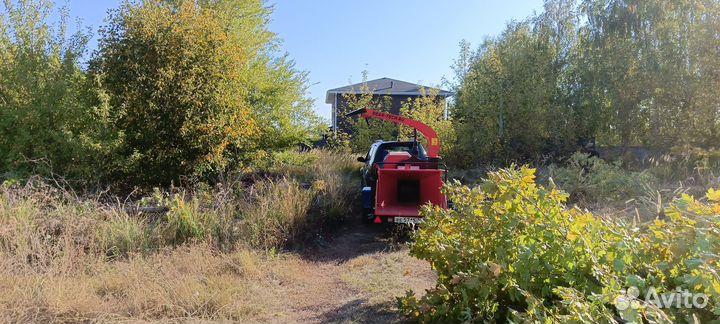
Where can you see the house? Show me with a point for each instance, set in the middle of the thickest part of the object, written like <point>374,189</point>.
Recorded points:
<point>398,91</point>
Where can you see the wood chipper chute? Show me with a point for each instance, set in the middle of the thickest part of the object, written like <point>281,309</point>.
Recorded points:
<point>400,177</point>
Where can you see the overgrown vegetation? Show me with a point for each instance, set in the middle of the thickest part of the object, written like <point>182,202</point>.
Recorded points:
<point>188,107</point>
<point>361,133</point>
<point>623,72</point>
<point>42,116</point>
<point>207,258</point>
<point>266,212</point>
<point>591,180</point>
<point>428,108</point>
<point>512,251</point>
<point>177,89</point>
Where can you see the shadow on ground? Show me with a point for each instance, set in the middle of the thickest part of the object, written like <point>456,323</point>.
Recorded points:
<point>352,239</point>
<point>362,311</point>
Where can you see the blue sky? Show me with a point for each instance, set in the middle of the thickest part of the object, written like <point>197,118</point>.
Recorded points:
<point>414,41</point>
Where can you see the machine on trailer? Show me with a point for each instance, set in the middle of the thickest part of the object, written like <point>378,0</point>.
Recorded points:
<point>399,177</point>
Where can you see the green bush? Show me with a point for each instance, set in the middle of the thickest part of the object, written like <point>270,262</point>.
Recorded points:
<point>198,89</point>
<point>591,179</point>
<point>43,113</point>
<point>511,250</point>
<point>187,220</point>
<point>124,234</point>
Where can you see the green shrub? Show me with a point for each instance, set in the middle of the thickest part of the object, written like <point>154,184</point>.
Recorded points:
<point>187,220</point>
<point>511,250</point>
<point>339,141</point>
<point>43,114</point>
<point>591,179</point>
<point>124,234</point>
<point>294,164</point>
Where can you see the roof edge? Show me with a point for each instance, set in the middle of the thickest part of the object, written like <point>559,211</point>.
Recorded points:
<point>441,93</point>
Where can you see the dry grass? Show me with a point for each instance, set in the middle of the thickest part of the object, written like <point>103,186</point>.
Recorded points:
<point>384,276</point>
<point>638,194</point>
<point>278,214</point>
<point>60,261</point>
<point>64,258</point>
<point>189,283</point>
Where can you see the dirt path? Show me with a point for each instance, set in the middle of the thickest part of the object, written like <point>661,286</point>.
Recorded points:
<point>351,277</point>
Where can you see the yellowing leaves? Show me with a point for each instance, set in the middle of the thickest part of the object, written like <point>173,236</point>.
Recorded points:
<point>528,244</point>
<point>528,175</point>
<point>572,236</point>
<point>199,82</point>
<point>495,269</point>
<point>713,195</point>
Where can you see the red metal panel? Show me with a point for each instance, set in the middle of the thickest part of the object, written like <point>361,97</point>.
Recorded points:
<point>386,196</point>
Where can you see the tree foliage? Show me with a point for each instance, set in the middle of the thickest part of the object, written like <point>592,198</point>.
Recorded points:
<point>176,88</point>
<point>623,71</point>
<point>194,87</point>
<point>431,109</point>
<point>428,108</point>
<point>511,251</point>
<point>41,108</point>
<point>363,133</point>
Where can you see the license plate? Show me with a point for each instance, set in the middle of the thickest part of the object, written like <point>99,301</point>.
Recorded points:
<point>408,220</point>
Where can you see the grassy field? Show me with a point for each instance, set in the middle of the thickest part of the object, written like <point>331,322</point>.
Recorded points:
<point>218,254</point>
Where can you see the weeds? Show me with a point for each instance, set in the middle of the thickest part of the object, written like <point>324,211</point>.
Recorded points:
<point>592,180</point>
<point>191,282</point>
<point>118,263</point>
<point>336,176</point>
<point>187,220</point>
<point>277,214</point>
<point>123,235</point>
<point>611,188</point>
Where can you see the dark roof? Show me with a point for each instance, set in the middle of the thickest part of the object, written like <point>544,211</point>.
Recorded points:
<point>386,86</point>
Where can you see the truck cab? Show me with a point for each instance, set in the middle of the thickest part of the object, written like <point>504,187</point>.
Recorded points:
<point>379,151</point>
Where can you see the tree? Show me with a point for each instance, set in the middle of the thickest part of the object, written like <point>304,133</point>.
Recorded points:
<point>42,112</point>
<point>363,133</point>
<point>195,87</point>
<point>626,72</point>
<point>430,109</point>
<point>647,55</point>
<point>510,105</point>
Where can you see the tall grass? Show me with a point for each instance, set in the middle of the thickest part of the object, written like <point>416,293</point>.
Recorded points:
<point>69,258</point>
<point>641,193</point>
<point>337,182</point>
<point>277,215</point>
<point>303,193</point>
<point>592,180</point>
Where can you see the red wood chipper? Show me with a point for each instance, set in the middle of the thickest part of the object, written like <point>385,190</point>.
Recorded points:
<point>399,177</point>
